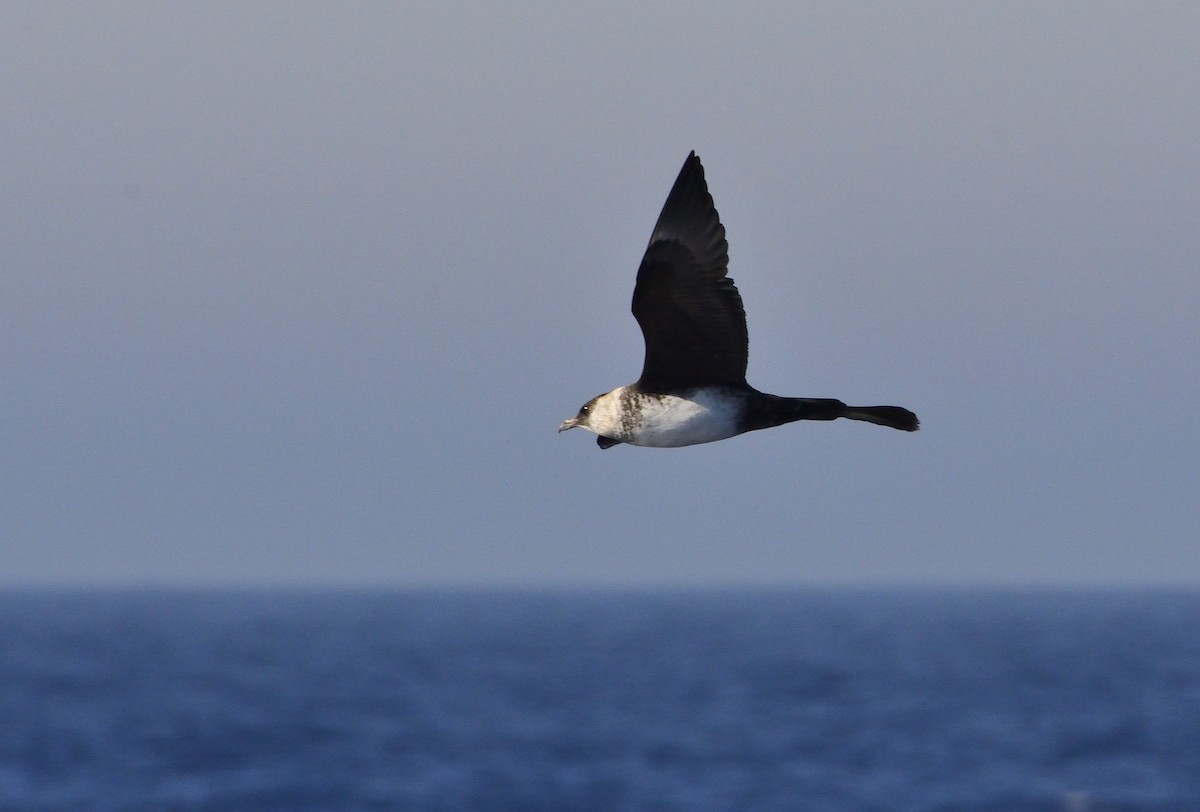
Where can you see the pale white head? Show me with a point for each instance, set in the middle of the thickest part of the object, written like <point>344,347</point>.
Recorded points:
<point>600,415</point>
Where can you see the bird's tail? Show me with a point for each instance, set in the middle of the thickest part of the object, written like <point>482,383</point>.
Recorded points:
<point>894,417</point>
<point>776,410</point>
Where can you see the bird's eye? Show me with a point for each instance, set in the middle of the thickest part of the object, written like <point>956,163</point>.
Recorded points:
<point>585,409</point>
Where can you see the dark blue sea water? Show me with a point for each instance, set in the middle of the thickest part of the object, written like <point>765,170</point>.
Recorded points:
<point>600,701</point>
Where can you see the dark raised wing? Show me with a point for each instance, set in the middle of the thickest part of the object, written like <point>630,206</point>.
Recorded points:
<point>689,310</point>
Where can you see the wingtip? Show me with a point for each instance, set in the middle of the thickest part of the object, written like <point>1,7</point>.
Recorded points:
<point>690,174</point>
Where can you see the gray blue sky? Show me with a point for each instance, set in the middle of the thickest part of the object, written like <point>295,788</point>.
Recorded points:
<point>297,294</point>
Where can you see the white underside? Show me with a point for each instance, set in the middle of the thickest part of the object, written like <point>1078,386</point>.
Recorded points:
<point>667,421</point>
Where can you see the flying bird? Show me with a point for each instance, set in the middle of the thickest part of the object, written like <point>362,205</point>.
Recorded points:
<point>693,386</point>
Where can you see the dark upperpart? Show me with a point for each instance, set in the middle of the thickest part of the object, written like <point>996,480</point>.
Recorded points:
<point>687,306</point>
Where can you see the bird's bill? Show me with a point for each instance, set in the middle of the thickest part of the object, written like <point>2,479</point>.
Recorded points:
<point>568,424</point>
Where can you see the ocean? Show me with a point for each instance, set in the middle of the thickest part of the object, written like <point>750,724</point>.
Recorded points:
<point>599,700</point>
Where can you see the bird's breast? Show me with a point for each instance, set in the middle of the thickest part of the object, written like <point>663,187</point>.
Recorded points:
<point>688,418</point>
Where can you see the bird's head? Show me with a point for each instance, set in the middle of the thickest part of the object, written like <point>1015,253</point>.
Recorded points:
<point>600,415</point>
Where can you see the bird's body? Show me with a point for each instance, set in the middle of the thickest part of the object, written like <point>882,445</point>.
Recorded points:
<point>703,415</point>
<point>693,385</point>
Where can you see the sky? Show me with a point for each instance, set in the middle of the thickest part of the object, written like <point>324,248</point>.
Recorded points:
<point>297,294</point>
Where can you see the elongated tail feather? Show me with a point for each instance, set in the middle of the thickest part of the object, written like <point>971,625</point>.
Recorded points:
<point>894,417</point>
<point>772,410</point>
